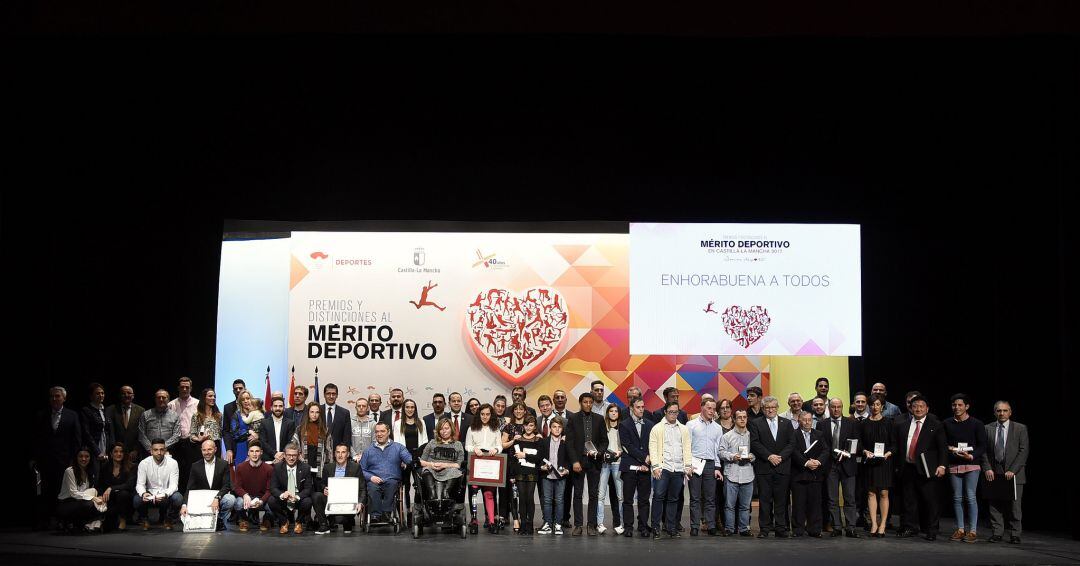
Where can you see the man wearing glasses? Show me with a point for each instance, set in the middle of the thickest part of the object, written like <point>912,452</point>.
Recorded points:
<point>672,461</point>
<point>772,441</point>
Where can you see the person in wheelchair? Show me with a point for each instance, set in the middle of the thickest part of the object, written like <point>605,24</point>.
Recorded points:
<point>382,463</point>
<point>440,472</point>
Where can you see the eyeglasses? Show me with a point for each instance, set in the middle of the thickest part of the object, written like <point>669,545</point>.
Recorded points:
<point>672,412</point>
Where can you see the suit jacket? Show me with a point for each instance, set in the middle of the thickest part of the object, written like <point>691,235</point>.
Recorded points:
<point>464,422</point>
<point>266,435</point>
<point>93,428</point>
<point>387,417</point>
<point>1016,451</point>
<point>341,430</point>
<point>227,425</point>
<point>635,447</point>
<point>56,449</point>
<point>848,431</point>
<point>222,480</point>
<point>128,435</point>
<point>763,445</point>
<point>576,439</point>
<point>429,423</point>
<point>817,450</point>
<point>931,445</point>
<point>352,470</point>
<point>279,480</point>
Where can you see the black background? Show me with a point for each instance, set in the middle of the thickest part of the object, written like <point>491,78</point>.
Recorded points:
<point>957,156</point>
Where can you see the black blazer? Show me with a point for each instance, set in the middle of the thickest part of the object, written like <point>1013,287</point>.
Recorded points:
<point>429,423</point>
<point>222,480</point>
<point>341,431</point>
<point>635,448</point>
<point>266,435</point>
<point>93,428</point>
<point>763,445</point>
<point>576,439</point>
<point>124,482</point>
<point>848,432</point>
<point>818,450</point>
<point>279,480</point>
<point>56,449</point>
<point>564,454</point>
<point>464,422</point>
<point>352,470</point>
<point>226,425</point>
<point>931,444</point>
<point>130,435</point>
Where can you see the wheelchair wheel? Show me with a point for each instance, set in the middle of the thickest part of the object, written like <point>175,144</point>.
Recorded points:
<point>474,528</point>
<point>464,529</point>
<point>417,530</point>
<point>367,524</point>
<point>397,527</point>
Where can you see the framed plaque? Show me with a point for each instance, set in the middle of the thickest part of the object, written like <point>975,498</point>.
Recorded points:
<point>487,471</point>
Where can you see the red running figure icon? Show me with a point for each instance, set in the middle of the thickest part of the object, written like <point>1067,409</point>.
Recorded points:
<point>708,308</point>
<point>424,302</point>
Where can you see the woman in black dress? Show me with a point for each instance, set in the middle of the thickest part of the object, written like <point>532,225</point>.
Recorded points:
<point>511,432</point>
<point>116,484</point>
<point>525,467</point>
<point>877,470</point>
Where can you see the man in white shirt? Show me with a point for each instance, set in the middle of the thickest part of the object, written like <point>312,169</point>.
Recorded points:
<point>157,485</point>
<point>795,403</point>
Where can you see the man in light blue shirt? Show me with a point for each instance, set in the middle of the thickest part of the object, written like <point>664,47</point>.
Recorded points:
<point>705,435</point>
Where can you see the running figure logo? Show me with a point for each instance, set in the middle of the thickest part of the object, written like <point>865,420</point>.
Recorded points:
<point>424,302</point>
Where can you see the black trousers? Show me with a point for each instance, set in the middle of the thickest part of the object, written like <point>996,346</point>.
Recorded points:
<point>920,500</point>
<point>120,505</point>
<point>526,507</point>
<point>772,502</point>
<point>185,452</point>
<point>76,511</point>
<point>641,484</point>
<point>568,498</point>
<point>593,476</point>
<point>282,512</point>
<point>806,499</point>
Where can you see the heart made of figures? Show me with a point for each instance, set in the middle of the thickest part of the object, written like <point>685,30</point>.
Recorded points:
<point>516,335</point>
<point>746,326</point>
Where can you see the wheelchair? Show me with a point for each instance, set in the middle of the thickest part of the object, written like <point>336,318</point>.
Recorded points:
<point>393,519</point>
<point>446,514</point>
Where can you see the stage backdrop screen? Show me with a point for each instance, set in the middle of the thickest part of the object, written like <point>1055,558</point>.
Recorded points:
<point>761,289</point>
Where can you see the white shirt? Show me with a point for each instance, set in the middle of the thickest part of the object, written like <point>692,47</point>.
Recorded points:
<point>157,479</point>
<point>911,432</point>
<point>277,434</point>
<point>209,467</point>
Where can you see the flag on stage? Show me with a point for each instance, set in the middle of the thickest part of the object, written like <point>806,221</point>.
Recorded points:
<point>292,385</point>
<point>266,400</point>
<point>317,385</point>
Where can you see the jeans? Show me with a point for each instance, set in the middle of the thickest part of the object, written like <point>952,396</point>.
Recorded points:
<point>611,470</point>
<point>250,515</point>
<point>552,494</point>
<point>703,494</point>
<point>666,499</point>
<point>963,489</point>
<point>168,508</point>
<point>382,496</point>
<point>737,494</point>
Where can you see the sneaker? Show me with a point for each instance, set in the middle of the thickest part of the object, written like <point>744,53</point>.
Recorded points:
<point>544,530</point>
<point>243,526</point>
<point>558,529</point>
<point>601,529</point>
<point>146,525</point>
<point>619,530</point>
<point>322,529</point>
<point>971,537</point>
<point>958,534</point>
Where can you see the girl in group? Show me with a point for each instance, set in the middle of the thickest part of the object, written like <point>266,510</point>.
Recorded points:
<point>313,440</point>
<point>499,405</point>
<point>511,432</point>
<point>877,471</point>
<point>78,504</point>
<point>553,449</point>
<point>610,469</point>
<point>409,431</point>
<point>116,484</point>
<point>482,439</point>
<point>526,470</point>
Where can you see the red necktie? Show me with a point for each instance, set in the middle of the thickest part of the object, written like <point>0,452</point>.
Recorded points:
<point>914,441</point>
<point>397,416</point>
<point>544,432</point>
<point>455,426</point>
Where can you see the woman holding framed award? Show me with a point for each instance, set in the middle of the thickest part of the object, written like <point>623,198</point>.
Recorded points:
<point>484,438</point>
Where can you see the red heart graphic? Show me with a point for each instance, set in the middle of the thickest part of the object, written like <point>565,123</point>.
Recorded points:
<point>746,326</point>
<point>515,336</point>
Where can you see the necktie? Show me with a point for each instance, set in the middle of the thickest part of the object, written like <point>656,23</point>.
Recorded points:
<point>545,431</point>
<point>455,426</point>
<point>329,417</point>
<point>772,428</point>
<point>397,416</point>
<point>56,421</point>
<point>836,433</point>
<point>292,483</point>
<point>914,441</point>
<point>126,413</point>
<point>999,444</point>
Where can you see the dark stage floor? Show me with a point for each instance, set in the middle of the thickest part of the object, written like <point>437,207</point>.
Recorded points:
<point>158,547</point>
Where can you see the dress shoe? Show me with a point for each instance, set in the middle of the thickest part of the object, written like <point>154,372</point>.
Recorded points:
<point>995,538</point>
<point>958,534</point>
<point>693,531</point>
<point>795,534</point>
<point>243,526</point>
<point>122,525</point>
<point>763,534</point>
<point>299,528</point>
<point>931,537</point>
<point>970,537</point>
<point>713,532</point>
<point>656,535</point>
<point>284,528</point>
<point>815,535</point>
<point>265,525</point>
<point>628,533</point>
<point>168,525</point>
<point>674,534</point>
<point>591,531</point>
<point>746,533</point>
<point>850,533</point>
<point>904,533</point>
<point>145,525</point>
<point>1014,540</point>
<point>829,528</point>
<point>679,528</point>
<point>220,526</point>
<point>836,533</point>
<point>782,534</point>
<point>576,532</point>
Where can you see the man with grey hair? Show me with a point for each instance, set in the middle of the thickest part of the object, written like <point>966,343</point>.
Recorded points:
<point>57,438</point>
<point>772,440</point>
<point>1005,462</point>
<point>842,470</point>
<point>794,403</point>
<point>159,422</point>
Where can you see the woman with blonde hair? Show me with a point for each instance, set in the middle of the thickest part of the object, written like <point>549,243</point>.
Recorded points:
<point>245,425</point>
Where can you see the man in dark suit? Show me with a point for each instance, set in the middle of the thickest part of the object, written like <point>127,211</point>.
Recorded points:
<point>772,440</point>
<point>227,413</point>
<point>634,467</point>
<point>341,467</point>
<point>1004,462</point>
<point>438,411</point>
<point>583,427</point>
<point>295,412</point>
<point>338,423</point>
<point>397,406</point>
<point>920,444</point>
<point>124,419</point>
<point>290,491</point>
<point>558,398</point>
<point>459,418</point>
<point>95,425</point>
<point>821,388</point>
<point>809,459</point>
<point>56,440</point>
<point>842,471</point>
<point>213,473</point>
<point>275,432</point>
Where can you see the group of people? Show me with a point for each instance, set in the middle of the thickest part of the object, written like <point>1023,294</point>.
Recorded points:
<point>104,467</point>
